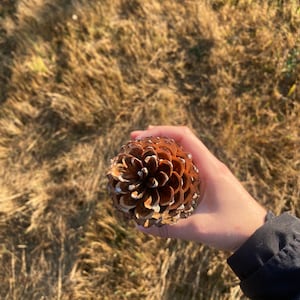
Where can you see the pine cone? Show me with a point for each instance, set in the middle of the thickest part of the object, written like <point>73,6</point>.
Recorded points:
<point>153,181</point>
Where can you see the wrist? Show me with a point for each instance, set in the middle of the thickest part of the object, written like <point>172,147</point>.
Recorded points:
<point>255,221</point>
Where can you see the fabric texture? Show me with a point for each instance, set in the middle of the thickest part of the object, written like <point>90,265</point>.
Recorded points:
<point>268,263</point>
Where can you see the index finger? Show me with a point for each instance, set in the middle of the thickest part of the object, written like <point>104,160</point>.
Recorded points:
<point>202,157</point>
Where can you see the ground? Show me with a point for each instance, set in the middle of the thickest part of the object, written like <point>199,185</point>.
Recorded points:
<point>76,77</point>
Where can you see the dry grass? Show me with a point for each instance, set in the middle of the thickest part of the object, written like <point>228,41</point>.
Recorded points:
<point>77,76</point>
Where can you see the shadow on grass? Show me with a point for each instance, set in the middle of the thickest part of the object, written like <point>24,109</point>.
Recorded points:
<point>59,253</point>
<point>197,69</point>
<point>7,46</point>
<point>45,26</point>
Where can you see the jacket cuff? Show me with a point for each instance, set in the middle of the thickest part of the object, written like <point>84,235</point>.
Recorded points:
<point>266,242</point>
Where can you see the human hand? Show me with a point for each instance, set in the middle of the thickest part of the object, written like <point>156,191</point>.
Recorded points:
<point>227,214</point>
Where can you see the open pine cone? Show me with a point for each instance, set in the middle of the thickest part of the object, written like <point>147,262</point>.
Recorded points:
<point>153,181</point>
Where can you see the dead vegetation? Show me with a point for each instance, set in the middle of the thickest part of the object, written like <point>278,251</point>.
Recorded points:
<point>77,76</point>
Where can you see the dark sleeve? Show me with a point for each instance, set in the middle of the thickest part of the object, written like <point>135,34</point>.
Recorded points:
<point>268,263</point>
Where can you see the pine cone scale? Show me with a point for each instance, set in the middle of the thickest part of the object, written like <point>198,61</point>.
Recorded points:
<point>175,182</point>
<point>162,178</point>
<point>151,163</point>
<point>178,165</point>
<point>166,195</point>
<point>127,202</point>
<point>166,166</point>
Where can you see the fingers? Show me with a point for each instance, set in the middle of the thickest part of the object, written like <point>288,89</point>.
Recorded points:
<point>156,231</point>
<point>135,134</point>
<point>185,229</point>
<point>183,135</point>
<point>202,157</point>
<point>167,231</point>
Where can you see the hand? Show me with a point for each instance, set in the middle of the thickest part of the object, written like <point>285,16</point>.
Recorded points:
<point>227,215</point>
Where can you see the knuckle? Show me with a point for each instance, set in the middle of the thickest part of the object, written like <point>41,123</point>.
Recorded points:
<point>185,129</point>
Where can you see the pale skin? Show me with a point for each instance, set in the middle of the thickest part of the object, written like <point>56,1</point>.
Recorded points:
<point>227,214</point>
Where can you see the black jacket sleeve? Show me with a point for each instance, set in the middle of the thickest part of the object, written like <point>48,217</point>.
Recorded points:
<point>268,263</point>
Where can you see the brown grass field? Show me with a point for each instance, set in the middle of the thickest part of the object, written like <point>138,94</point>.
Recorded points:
<point>77,76</point>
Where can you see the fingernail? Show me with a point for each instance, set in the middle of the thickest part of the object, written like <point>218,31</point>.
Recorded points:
<point>135,134</point>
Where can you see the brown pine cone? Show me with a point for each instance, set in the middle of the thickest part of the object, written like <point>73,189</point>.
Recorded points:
<point>153,181</point>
